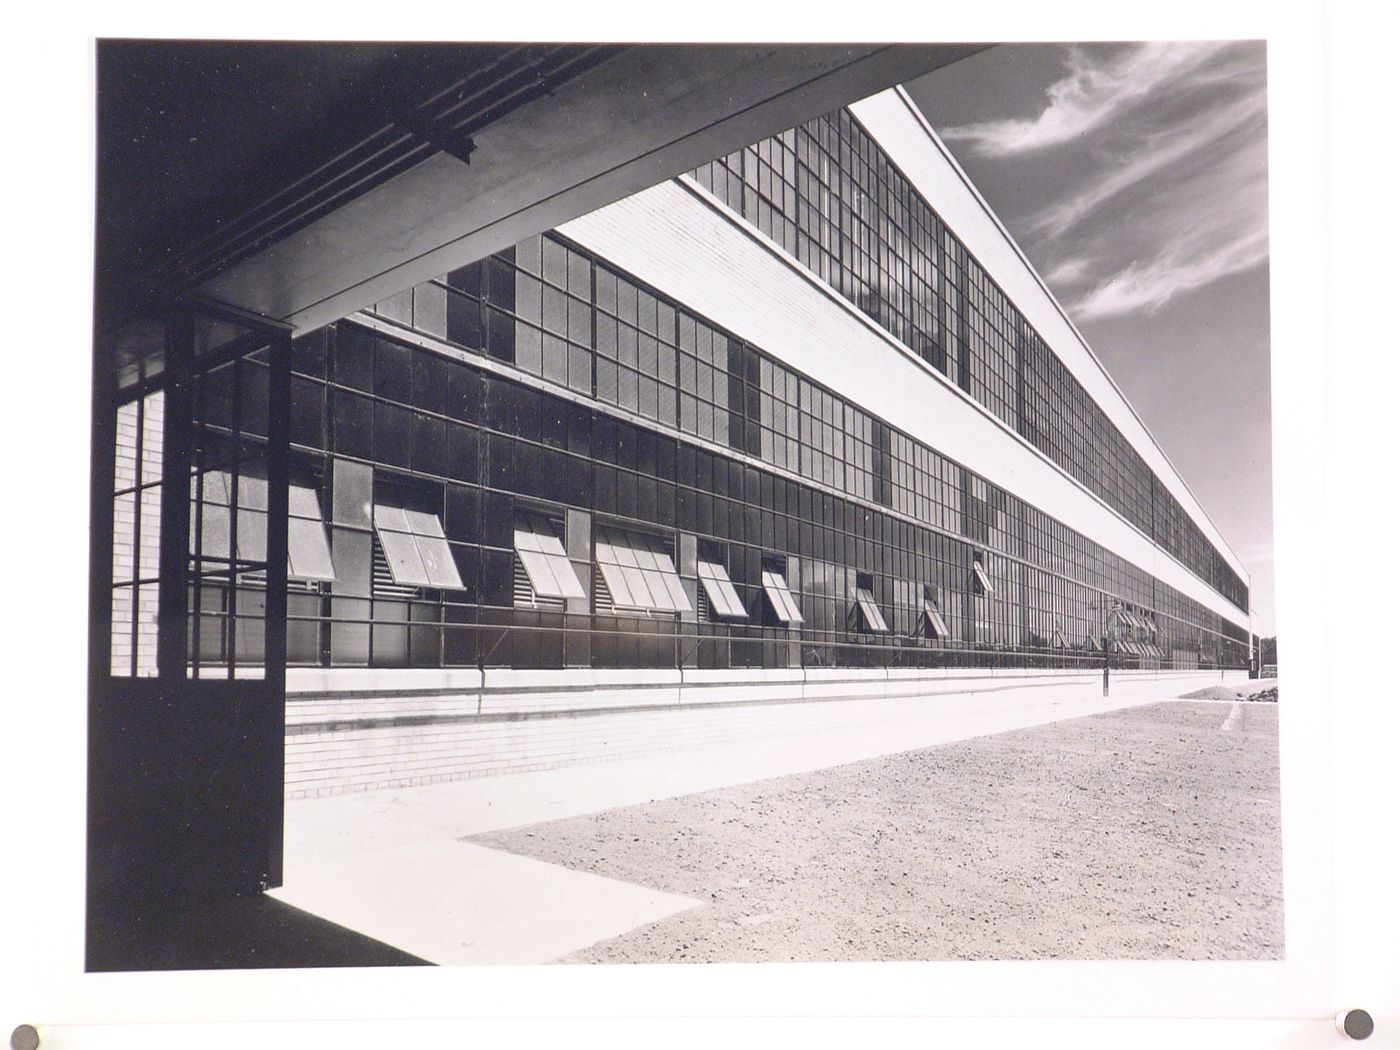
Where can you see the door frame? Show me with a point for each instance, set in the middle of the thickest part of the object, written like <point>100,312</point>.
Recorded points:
<point>185,774</point>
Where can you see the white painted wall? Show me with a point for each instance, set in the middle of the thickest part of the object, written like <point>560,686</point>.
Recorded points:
<point>680,240</point>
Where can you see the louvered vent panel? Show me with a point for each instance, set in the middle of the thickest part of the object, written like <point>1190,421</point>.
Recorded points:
<point>383,585</point>
<point>525,596</point>
<point>602,597</point>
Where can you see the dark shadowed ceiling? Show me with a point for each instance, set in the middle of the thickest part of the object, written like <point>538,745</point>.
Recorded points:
<point>302,181</point>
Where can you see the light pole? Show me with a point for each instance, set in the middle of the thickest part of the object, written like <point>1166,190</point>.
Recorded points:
<point>1102,608</point>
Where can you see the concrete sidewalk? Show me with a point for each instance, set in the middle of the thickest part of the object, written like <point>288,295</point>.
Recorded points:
<point>391,863</point>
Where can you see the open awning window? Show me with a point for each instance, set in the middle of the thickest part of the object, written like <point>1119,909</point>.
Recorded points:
<point>932,622</point>
<point>979,572</point>
<point>780,598</point>
<point>868,612</point>
<point>724,599</point>
<point>1058,642</point>
<point>415,548</point>
<point>638,572</point>
<point>308,552</point>
<point>538,547</point>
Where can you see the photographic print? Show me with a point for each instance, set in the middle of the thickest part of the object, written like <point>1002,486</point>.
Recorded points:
<point>639,503</point>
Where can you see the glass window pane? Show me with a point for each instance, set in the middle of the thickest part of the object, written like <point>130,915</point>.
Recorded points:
<point>124,537</point>
<point>662,594</point>
<point>252,492</point>
<point>548,541</point>
<point>147,619</point>
<point>387,516</point>
<point>870,612</point>
<point>718,588</point>
<point>527,254</point>
<point>643,569</point>
<point>636,586</point>
<point>302,502</point>
<point>555,267</point>
<point>736,605</point>
<point>401,552</point>
<point>676,592</point>
<point>152,436</point>
<point>537,567</point>
<point>422,523</point>
<point>148,556</point>
<point>529,351</point>
<point>776,588</point>
<point>123,602</point>
<point>618,587</point>
<point>555,311</point>
<point>437,561</point>
<point>982,579</point>
<point>526,539</point>
<point>252,535</point>
<point>352,484</point>
<point>565,577</point>
<point>308,553</point>
<point>939,625</point>
<point>554,364</point>
<point>352,554</point>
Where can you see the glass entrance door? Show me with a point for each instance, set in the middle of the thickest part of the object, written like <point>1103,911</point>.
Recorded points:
<point>186,712</point>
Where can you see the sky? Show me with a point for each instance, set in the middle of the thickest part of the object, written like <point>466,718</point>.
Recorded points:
<point>1134,177</point>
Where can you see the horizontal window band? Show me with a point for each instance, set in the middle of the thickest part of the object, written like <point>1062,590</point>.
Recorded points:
<point>958,274</point>
<point>486,365</point>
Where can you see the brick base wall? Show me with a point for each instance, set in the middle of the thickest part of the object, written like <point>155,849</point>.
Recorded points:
<point>399,729</point>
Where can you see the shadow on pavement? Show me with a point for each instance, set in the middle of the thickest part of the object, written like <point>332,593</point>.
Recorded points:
<point>246,933</point>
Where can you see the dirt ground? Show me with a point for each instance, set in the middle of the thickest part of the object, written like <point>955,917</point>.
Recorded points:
<point>1261,690</point>
<point>1148,833</point>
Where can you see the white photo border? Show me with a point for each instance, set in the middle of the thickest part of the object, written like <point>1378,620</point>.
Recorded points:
<point>1331,717</point>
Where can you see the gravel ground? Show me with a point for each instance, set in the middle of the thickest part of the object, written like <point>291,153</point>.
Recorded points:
<point>1261,690</point>
<point>1148,833</point>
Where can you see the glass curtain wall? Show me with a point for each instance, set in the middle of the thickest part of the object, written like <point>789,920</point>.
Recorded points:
<point>831,198</point>
<point>638,414</point>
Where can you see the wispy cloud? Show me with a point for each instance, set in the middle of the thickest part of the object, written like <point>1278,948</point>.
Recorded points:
<point>1152,285</point>
<point>1093,92</point>
<point>1199,228</point>
<point>1158,186</point>
<point>1149,154</point>
<point>1069,271</point>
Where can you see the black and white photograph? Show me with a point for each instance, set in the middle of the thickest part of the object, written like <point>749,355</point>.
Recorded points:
<point>600,516</point>
<point>644,504</point>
